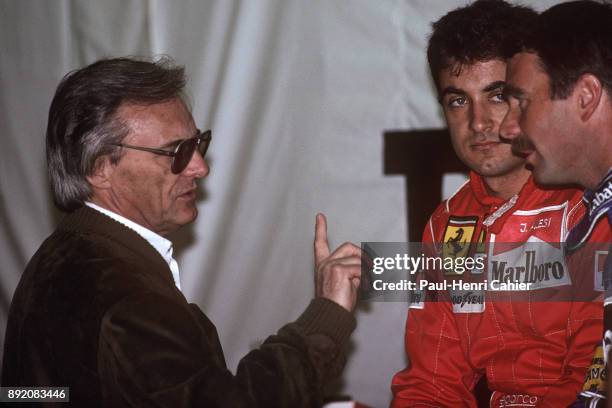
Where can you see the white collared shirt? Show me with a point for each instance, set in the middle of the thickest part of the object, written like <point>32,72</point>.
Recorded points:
<point>161,244</point>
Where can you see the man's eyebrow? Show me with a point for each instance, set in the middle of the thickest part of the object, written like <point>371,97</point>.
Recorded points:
<point>490,87</point>
<point>451,90</point>
<point>171,143</point>
<point>513,91</point>
<point>494,85</point>
<point>175,142</point>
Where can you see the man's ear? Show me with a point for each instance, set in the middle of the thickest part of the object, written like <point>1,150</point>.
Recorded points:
<point>588,90</point>
<point>100,178</point>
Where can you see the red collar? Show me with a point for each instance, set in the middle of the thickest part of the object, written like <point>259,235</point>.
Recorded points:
<point>492,203</point>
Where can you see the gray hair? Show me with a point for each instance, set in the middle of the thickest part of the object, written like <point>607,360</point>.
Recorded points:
<point>83,123</point>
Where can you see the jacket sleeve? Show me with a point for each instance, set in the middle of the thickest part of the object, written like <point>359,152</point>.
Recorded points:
<point>585,323</point>
<point>585,329</point>
<point>438,373</point>
<point>154,352</point>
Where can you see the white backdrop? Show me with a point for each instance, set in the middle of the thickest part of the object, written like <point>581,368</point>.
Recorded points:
<point>298,94</point>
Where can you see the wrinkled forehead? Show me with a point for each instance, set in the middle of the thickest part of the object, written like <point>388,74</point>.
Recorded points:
<point>157,123</point>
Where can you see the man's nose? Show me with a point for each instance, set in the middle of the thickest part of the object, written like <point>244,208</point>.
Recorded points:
<point>509,128</point>
<point>480,119</point>
<point>197,166</point>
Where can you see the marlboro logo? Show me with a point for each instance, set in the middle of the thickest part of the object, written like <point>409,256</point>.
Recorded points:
<point>536,262</point>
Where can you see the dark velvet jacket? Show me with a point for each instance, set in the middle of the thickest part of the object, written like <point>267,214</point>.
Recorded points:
<point>97,310</point>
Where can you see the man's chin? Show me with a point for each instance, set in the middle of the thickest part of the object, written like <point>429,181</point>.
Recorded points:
<point>499,169</point>
<point>545,177</point>
<point>191,214</point>
<point>187,216</point>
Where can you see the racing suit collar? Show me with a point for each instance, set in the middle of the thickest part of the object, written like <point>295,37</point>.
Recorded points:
<point>498,208</point>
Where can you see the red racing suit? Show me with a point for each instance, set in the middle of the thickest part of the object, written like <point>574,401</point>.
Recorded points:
<point>533,353</point>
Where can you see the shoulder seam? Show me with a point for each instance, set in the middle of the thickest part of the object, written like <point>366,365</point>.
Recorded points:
<point>571,213</point>
<point>454,194</point>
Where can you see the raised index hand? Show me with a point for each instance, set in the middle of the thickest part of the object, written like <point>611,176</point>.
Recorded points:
<point>337,274</point>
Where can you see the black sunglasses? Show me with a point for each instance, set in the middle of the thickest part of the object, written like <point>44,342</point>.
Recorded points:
<point>182,153</point>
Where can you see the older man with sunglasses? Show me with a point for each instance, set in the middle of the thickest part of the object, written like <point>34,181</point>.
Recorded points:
<point>99,308</point>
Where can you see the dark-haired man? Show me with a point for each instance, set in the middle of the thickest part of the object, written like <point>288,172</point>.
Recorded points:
<point>99,307</point>
<point>532,353</point>
<point>560,118</point>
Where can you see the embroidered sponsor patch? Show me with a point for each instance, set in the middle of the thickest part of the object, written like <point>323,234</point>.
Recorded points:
<point>536,256</point>
<point>535,262</point>
<point>595,380</point>
<point>600,263</point>
<point>458,238</point>
<point>517,400</point>
<point>468,301</point>
<point>416,299</point>
<point>599,203</point>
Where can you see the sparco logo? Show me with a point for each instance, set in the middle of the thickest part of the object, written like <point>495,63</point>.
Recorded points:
<point>530,272</point>
<point>516,400</point>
